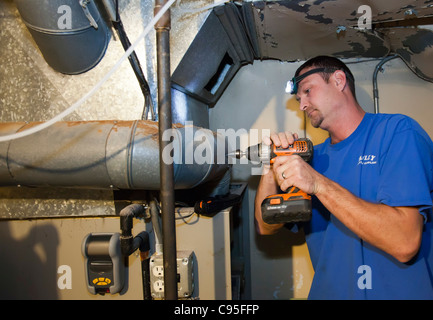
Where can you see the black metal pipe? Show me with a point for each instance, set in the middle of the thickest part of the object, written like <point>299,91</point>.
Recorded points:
<point>145,270</point>
<point>144,247</point>
<point>166,169</point>
<point>375,89</point>
<point>127,243</point>
<point>136,67</point>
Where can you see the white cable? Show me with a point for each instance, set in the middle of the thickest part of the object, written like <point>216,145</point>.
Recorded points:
<point>95,88</point>
<point>210,6</point>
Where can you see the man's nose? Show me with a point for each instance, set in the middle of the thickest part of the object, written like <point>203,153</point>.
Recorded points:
<point>302,105</point>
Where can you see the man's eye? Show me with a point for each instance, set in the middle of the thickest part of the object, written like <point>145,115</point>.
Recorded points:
<point>307,91</point>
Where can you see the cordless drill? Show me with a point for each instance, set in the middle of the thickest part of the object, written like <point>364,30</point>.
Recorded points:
<point>295,204</point>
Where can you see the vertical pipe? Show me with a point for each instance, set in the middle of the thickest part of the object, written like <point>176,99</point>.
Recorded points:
<point>166,170</point>
<point>375,89</point>
<point>145,275</point>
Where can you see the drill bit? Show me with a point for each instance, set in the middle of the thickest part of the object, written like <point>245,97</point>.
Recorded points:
<point>252,153</point>
<point>236,154</point>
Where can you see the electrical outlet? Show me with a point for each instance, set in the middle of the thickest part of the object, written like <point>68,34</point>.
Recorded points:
<point>185,274</point>
<point>158,286</point>
<point>157,276</point>
<point>158,271</point>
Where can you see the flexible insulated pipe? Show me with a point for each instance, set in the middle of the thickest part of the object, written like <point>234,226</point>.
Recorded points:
<point>109,155</point>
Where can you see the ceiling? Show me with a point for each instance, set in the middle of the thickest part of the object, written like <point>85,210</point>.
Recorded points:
<point>239,32</point>
<point>300,29</point>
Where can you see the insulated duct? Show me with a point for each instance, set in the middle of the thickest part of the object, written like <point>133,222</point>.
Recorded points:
<point>109,155</point>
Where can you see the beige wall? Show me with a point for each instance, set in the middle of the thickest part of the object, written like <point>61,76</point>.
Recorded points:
<point>280,265</point>
<point>34,254</point>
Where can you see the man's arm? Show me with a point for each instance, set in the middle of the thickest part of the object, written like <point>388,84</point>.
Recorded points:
<point>395,230</point>
<point>267,186</point>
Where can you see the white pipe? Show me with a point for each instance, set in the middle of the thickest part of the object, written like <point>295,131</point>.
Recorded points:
<point>77,104</point>
<point>210,6</point>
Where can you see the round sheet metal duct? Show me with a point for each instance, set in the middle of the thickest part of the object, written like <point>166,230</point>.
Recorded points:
<point>71,35</point>
<point>109,154</point>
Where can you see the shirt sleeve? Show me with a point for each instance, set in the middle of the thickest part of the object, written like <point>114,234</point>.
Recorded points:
<point>407,171</point>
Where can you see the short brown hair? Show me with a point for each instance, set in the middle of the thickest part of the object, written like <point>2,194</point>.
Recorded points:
<point>332,64</point>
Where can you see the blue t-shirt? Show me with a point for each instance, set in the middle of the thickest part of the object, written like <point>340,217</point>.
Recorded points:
<point>388,159</point>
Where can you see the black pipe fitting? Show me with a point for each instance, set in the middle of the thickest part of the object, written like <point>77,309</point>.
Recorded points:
<point>126,223</point>
<point>143,241</point>
<point>128,243</point>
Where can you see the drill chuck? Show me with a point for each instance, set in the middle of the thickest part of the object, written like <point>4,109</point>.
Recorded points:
<point>259,153</point>
<point>256,153</point>
<point>265,153</point>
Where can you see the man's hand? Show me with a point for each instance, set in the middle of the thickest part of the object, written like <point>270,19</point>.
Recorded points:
<point>282,139</point>
<point>268,183</point>
<point>294,171</point>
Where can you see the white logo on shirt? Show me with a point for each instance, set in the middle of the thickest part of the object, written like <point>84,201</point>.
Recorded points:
<point>367,159</point>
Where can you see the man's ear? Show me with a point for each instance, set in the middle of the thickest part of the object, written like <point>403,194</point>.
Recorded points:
<point>340,80</point>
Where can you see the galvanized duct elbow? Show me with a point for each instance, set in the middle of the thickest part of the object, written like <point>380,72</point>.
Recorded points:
<point>109,155</point>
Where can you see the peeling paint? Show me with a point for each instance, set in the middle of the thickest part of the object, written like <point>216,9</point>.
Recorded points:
<point>319,18</point>
<point>419,42</point>
<point>415,47</point>
<point>297,30</point>
<point>292,5</point>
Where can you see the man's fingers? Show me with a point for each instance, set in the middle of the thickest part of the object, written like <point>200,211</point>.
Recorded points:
<point>267,140</point>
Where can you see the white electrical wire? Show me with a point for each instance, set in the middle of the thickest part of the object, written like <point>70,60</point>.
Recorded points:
<point>210,6</point>
<point>95,88</point>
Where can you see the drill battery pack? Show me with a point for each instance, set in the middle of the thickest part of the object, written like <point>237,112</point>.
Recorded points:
<point>293,206</point>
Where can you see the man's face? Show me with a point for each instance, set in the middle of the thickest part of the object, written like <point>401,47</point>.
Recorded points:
<point>314,98</point>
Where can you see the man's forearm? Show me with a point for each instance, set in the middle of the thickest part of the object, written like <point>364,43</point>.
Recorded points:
<point>267,186</point>
<point>395,230</point>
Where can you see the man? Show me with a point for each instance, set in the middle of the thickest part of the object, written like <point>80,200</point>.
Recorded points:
<point>370,236</point>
